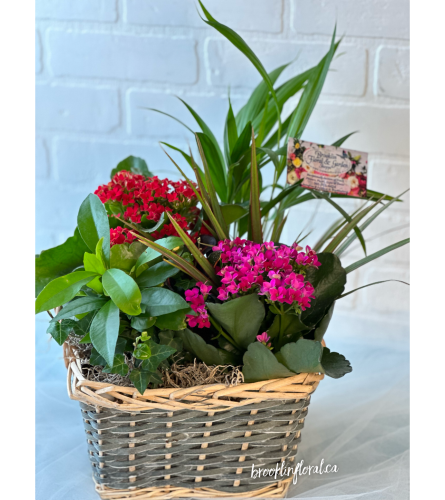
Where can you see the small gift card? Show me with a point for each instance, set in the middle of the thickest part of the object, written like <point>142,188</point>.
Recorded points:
<point>327,168</point>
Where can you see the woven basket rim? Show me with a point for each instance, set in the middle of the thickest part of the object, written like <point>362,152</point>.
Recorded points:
<point>202,397</point>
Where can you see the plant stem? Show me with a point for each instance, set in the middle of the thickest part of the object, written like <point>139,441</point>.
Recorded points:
<point>223,333</point>
<point>281,326</point>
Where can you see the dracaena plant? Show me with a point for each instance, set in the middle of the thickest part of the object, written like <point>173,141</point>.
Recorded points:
<point>158,271</point>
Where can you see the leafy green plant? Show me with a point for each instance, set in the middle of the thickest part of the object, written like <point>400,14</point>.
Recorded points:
<point>150,277</point>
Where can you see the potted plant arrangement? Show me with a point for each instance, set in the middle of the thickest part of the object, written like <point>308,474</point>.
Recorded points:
<point>193,338</point>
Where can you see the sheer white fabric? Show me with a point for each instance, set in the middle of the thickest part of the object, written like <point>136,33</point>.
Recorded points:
<point>359,423</point>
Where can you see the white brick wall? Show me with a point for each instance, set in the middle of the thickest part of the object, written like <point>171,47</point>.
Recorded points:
<point>100,62</point>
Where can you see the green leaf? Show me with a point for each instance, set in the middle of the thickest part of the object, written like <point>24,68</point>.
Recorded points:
<point>62,290</point>
<point>140,379</point>
<point>335,365</point>
<point>96,359</point>
<point>123,291</point>
<point>311,93</point>
<point>257,100</point>
<point>159,301</point>
<point>119,366</point>
<point>232,213</point>
<point>184,155</point>
<point>329,282</point>
<point>150,254</point>
<point>240,318</point>
<point>283,194</point>
<point>81,306</point>
<point>370,284</point>
<point>134,165</point>
<point>96,285</point>
<point>194,250</point>
<point>209,135</point>
<point>172,321</point>
<point>60,260</point>
<point>292,327</point>
<point>324,323</point>
<point>341,235</point>
<point>176,260</point>
<point>104,331</point>
<point>158,354</point>
<point>60,330</point>
<point>260,364</point>
<point>207,353</point>
<point>156,275</point>
<point>375,255</point>
<point>357,231</point>
<point>255,211</point>
<point>241,45</point>
<point>142,322</point>
<point>303,356</point>
<point>367,222</point>
<point>92,263</point>
<point>92,221</point>
<point>338,143</point>
<point>124,256</point>
<point>230,133</point>
<point>216,177</point>
<point>142,351</point>
<point>172,339</point>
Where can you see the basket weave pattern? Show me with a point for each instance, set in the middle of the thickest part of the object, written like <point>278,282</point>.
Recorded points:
<point>195,442</point>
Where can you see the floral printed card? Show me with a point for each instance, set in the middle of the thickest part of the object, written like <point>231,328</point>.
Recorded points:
<point>327,168</point>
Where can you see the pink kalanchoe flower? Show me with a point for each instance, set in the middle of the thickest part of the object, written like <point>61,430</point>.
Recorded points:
<point>205,289</point>
<point>263,338</point>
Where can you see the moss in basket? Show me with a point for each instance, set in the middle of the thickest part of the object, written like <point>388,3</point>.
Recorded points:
<point>146,281</point>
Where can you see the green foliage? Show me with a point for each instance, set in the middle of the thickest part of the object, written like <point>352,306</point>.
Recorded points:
<point>329,282</point>
<point>60,330</point>
<point>261,364</point>
<point>119,366</point>
<point>104,331</point>
<point>335,365</point>
<point>124,256</point>
<point>92,221</point>
<point>62,290</point>
<point>59,261</point>
<point>240,318</point>
<point>159,301</point>
<point>303,356</point>
<point>207,353</point>
<point>134,165</point>
<point>172,321</point>
<point>156,275</point>
<point>123,291</point>
<point>158,354</point>
<point>142,322</point>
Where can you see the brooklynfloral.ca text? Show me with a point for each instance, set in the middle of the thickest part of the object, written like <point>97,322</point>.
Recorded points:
<point>298,469</point>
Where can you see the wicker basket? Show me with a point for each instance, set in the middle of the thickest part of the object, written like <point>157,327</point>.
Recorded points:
<point>198,442</point>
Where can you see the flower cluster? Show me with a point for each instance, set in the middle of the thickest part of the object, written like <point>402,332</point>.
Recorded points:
<point>120,235</point>
<point>197,297</point>
<point>264,339</point>
<point>145,199</point>
<point>276,272</point>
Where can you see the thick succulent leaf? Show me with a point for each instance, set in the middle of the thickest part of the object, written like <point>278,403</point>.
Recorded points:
<point>335,365</point>
<point>134,165</point>
<point>329,282</point>
<point>292,327</point>
<point>207,353</point>
<point>260,364</point>
<point>240,318</point>
<point>324,324</point>
<point>303,356</point>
